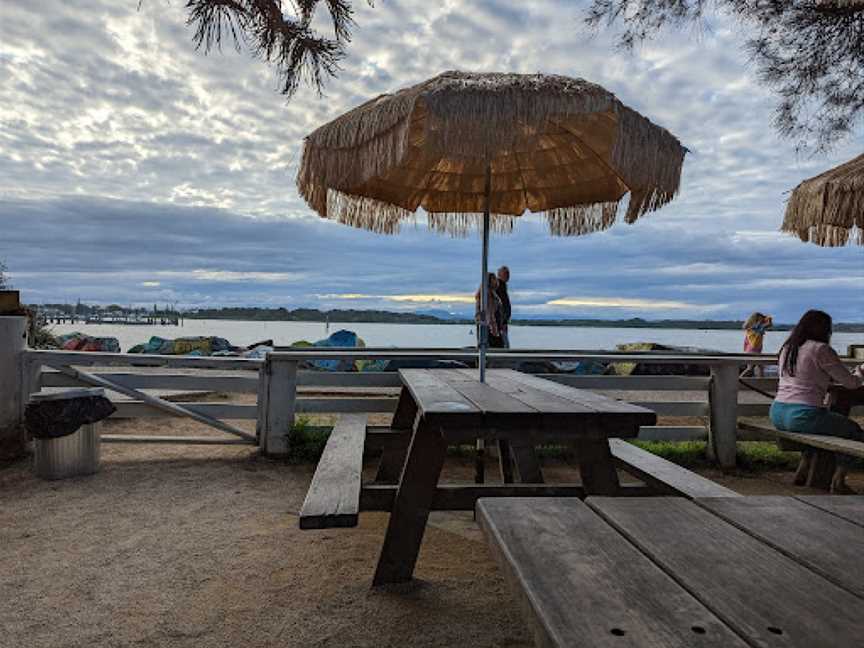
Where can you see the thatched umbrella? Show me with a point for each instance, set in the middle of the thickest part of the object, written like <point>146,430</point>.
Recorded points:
<point>828,208</point>
<point>464,144</point>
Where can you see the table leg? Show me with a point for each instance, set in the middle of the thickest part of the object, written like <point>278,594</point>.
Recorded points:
<point>411,507</point>
<point>597,467</point>
<point>527,464</point>
<point>505,461</point>
<point>393,459</point>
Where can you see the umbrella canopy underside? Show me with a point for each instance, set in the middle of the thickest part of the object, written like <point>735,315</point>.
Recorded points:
<point>558,146</point>
<point>827,209</point>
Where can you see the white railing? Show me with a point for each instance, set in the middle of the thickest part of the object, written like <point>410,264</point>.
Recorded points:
<point>284,390</point>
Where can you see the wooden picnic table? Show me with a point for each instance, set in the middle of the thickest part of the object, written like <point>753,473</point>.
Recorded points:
<point>721,572</point>
<point>441,407</point>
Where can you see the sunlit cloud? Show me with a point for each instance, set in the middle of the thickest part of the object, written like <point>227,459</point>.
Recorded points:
<point>228,275</point>
<point>639,304</point>
<point>416,299</point>
<point>150,284</point>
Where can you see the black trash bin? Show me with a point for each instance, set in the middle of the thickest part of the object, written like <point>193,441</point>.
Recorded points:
<point>65,430</point>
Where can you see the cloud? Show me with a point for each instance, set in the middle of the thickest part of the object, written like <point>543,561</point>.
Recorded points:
<point>622,302</point>
<point>413,299</point>
<point>127,159</point>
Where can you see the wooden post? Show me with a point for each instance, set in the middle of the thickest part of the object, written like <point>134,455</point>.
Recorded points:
<point>723,424</point>
<point>13,342</point>
<point>276,412</point>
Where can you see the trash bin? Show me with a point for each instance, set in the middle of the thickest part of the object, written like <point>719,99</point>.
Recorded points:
<point>65,429</point>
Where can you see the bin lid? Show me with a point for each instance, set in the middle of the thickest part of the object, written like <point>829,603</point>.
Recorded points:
<point>68,394</point>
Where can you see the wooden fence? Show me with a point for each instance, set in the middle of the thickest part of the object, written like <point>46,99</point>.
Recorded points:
<point>283,389</point>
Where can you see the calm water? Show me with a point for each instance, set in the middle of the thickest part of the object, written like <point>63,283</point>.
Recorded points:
<point>439,335</point>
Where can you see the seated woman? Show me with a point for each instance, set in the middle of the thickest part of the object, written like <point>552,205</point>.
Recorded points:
<point>808,365</point>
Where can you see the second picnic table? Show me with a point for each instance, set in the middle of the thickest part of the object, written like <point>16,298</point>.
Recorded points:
<point>444,407</point>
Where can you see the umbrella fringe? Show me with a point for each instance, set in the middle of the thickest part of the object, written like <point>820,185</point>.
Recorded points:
<point>469,119</point>
<point>828,210</point>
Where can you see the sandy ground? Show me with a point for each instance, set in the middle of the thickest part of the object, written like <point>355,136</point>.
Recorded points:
<point>199,546</point>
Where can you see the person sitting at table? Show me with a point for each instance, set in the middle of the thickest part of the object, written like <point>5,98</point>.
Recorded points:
<point>807,366</point>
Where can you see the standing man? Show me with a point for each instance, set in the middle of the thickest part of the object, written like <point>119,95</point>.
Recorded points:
<point>503,278</point>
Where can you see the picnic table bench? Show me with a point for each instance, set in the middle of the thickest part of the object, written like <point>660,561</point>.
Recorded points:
<point>441,407</point>
<point>724,572</point>
<point>823,447</point>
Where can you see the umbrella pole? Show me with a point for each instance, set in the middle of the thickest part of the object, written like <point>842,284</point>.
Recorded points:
<point>480,463</point>
<point>484,283</point>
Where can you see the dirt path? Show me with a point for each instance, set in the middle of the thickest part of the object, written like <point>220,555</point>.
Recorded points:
<point>177,546</point>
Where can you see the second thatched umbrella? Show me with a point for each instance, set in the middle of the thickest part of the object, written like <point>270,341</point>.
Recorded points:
<point>828,208</point>
<point>462,145</point>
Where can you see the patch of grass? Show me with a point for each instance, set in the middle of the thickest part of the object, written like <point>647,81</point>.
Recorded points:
<point>752,456</point>
<point>689,454</point>
<point>307,441</point>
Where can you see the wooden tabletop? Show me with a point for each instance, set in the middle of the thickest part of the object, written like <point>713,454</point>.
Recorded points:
<point>511,401</point>
<point>757,571</point>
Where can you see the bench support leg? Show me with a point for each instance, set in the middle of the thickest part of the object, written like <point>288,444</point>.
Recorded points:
<point>393,458</point>
<point>414,499</point>
<point>596,467</point>
<point>821,470</point>
<point>505,461</point>
<point>527,464</point>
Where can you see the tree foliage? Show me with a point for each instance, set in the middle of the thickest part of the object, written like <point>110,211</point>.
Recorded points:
<point>290,42</point>
<point>810,52</point>
<point>4,283</point>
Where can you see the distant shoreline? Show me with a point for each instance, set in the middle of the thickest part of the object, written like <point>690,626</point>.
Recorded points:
<point>685,325</point>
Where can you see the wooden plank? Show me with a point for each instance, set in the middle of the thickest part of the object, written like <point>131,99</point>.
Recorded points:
<point>393,457</point>
<point>263,403</point>
<point>498,409</point>
<point>228,384</point>
<point>664,475</point>
<point>153,401</point>
<point>281,407</point>
<point>760,593</point>
<point>437,401</point>
<point>463,497</point>
<point>333,499</point>
<point>414,500</point>
<point>344,405</point>
<point>673,433</point>
<point>815,538</point>
<point>224,411</point>
<point>581,397</point>
<point>526,462</point>
<point>848,507</point>
<point>581,585</point>
<point>58,359</point>
<point>714,359</point>
<point>823,442</point>
<point>311,378</point>
<point>631,383</point>
<point>505,462</point>
<point>181,440</point>
<point>723,411</point>
<point>796,441</point>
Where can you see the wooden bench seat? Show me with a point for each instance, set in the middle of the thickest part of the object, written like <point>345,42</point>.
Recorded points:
<point>333,499</point>
<point>582,584</point>
<point>664,475</point>
<point>825,449</point>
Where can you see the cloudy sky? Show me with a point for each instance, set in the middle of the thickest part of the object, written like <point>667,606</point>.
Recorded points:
<point>134,169</point>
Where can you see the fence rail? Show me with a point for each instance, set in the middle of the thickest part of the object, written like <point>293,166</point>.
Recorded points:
<point>284,389</point>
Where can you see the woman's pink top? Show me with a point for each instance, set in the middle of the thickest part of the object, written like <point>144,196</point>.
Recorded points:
<point>816,367</point>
